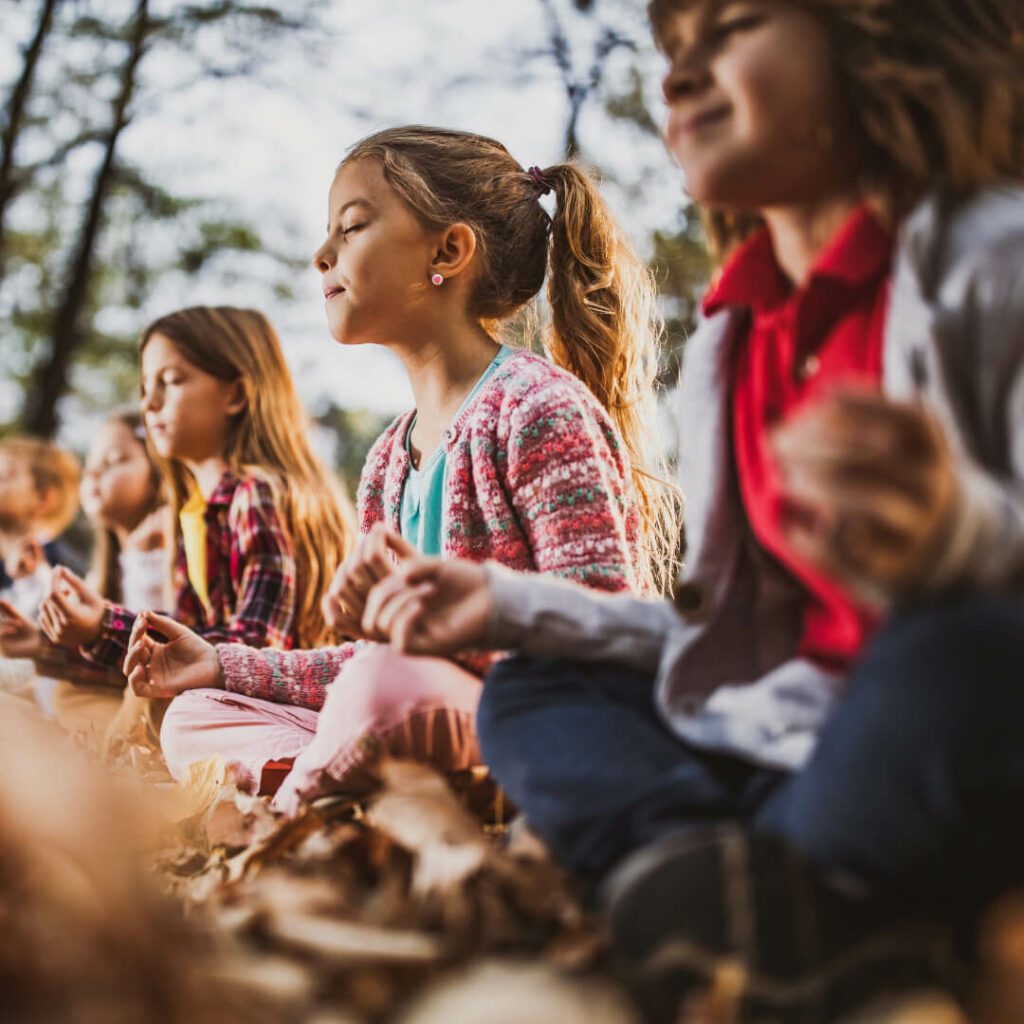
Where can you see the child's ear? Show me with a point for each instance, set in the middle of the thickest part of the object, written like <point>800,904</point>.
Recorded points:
<point>455,250</point>
<point>238,396</point>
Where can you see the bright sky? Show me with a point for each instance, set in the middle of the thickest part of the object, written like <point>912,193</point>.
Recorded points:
<point>273,149</point>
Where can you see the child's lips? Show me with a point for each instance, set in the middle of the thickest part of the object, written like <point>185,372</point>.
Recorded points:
<point>701,119</point>
<point>330,292</point>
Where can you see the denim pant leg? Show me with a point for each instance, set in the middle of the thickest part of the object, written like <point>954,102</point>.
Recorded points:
<point>579,749</point>
<point>918,780</point>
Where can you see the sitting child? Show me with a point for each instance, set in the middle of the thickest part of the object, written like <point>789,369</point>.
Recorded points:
<point>258,523</point>
<point>38,500</point>
<point>123,498</point>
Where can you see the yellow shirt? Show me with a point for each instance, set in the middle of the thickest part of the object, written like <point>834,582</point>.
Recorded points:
<point>192,518</point>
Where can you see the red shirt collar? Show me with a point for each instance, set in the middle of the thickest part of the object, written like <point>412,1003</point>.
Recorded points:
<point>860,250</point>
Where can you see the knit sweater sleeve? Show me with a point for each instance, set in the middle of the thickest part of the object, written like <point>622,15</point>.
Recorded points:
<point>283,677</point>
<point>568,481</point>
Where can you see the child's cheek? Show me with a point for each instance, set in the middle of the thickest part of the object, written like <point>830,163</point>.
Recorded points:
<point>672,140</point>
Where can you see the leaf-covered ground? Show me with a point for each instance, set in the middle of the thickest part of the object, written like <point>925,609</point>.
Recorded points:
<point>127,897</point>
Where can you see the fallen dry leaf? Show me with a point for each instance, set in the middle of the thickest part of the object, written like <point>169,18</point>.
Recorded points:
<point>915,1008</point>
<point>235,820</point>
<point>287,836</point>
<point>418,810</point>
<point>272,978</point>
<point>86,934</point>
<point>353,943</point>
<point>197,789</point>
<point>279,891</point>
<point>514,993</point>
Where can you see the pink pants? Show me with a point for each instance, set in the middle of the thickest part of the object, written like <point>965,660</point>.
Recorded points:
<point>422,708</point>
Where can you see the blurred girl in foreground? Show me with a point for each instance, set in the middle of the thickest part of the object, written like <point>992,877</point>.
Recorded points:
<point>841,674</point>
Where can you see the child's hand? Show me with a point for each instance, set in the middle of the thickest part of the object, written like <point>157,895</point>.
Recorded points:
<point>72,612</point>
<point>153,533</point>
<point>19,638</point>
<point>24,558</point>
<point>374,557</point>
<point>184,661</point>
<point>431,606</point>
<point>872,488</point>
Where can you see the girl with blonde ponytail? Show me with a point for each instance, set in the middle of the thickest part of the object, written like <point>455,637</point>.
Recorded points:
<point>435,239</point>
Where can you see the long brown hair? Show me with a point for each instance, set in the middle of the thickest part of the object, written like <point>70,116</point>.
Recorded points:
<point>268,438</point>
<point>106,567</point>
<point>603,327</point>
<point>933,91</point>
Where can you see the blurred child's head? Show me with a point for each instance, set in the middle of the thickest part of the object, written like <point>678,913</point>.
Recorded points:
<point>215,384</point>
<point>38,487</point>
<point>772,101</point>
<point>430,222</point>
<point>120,484</point>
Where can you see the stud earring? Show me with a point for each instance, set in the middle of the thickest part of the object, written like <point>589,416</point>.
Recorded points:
<point>436,279</point>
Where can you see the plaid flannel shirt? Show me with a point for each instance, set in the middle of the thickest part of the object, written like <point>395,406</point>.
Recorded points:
<point>250,572</point>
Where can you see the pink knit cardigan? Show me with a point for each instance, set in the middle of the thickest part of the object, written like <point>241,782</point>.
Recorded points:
<point>537,479</point>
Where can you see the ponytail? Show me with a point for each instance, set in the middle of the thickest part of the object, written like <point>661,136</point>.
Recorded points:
<point>604,330</point>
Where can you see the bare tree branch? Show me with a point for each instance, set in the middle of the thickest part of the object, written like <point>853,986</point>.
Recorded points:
<point>49,380</point>
<point>578,88</point>
<point>9,180</point>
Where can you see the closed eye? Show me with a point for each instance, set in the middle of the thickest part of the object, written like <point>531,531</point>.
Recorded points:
<point>679,81</point>
<point>720,33</point>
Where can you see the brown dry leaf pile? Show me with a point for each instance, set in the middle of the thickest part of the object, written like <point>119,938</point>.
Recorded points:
<point>357,908</point>
<point>409,905</point>
<point>84,934</point>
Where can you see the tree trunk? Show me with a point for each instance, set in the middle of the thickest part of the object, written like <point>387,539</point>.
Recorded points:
<point>16,113</point>
<point>571,143</point>
<point>49,380</point>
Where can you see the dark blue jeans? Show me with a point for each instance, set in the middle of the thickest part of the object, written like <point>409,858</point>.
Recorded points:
<point>917,782</point>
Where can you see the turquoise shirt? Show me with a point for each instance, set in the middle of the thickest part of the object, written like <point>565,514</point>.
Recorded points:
<point>423,492</point>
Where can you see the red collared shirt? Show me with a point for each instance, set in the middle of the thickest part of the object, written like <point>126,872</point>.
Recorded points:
<point>802,344</point>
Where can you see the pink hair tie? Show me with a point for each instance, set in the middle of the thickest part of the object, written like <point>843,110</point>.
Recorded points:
<point>542,183</point>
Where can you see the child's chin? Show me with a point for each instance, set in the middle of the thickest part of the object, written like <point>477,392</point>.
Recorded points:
<point>720,186</point>
<point>348,337</point>
<point>339,331</point>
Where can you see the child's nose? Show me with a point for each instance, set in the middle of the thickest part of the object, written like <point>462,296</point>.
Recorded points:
<point>686,77</point>
<point>323,259</point>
